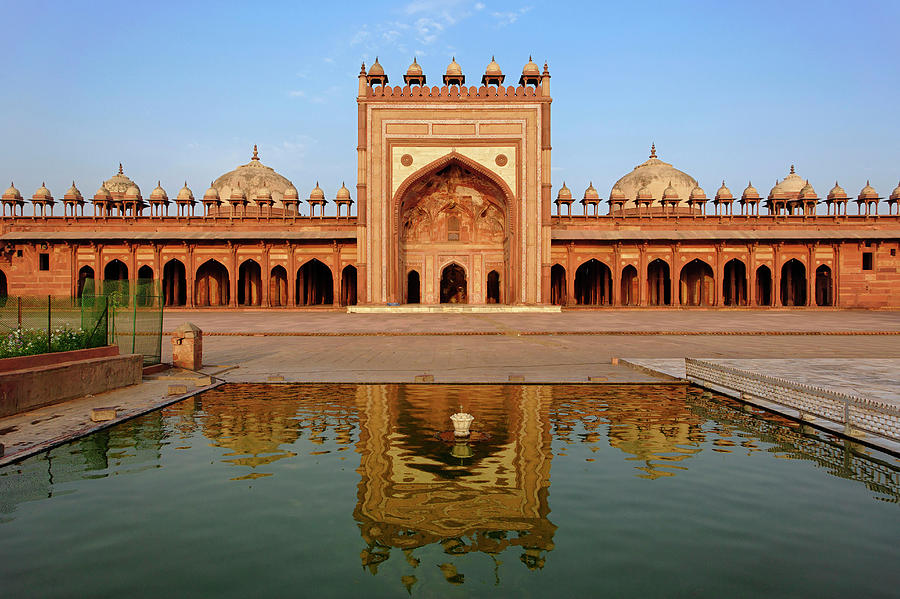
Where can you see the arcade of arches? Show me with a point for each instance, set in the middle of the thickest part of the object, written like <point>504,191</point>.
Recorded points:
<point>454,237</point>
<point>595,284</point>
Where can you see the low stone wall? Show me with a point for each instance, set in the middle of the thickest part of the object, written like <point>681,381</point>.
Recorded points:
<point>25,362</point>
<point>28,388</point>
<point>854,413</point>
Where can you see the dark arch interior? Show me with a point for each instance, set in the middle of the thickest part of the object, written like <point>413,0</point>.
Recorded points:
<point>593,284</point>
<point>212,285</point>
<point>85,273</point>
<point>492,296</point>
<point>824,286</point>
<point>454,289</point>
<point>348,286</point>
<point>558,285</point>
<point>697,287</point>
<point>249,292</point>
<point>315,285</point>
<point>763,286</point>
<point>734,286</point>
<point>278,288</point>
<point>174,283</point>
<point>412,287</point>
<point>658,283</point>
<point>793,283</point>
<point>630,290</point>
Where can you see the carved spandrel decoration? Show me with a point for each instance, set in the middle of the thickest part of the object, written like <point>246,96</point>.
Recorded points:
<point>454,204</point>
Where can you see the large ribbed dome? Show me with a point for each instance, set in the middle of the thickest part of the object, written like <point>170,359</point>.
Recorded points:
<point>251,178</point>
<point>788,188</point>
<point>656,175</point>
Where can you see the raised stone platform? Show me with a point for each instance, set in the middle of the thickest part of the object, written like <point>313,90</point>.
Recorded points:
<point>452,309</point>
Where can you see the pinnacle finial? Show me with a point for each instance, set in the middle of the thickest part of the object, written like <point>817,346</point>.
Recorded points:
<point>255,153</point>
<point>414,60</point>
<point>792,170</point>
<point>653,150</point>
<point>362,68</point>
<point>120,168</point>
<point>493,59</point>
<point>530,59</point>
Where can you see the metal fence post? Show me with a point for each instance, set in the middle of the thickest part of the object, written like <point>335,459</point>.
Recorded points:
<point>19,302</point>
<point>49,315</point>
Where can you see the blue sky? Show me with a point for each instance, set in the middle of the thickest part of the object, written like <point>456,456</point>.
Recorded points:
<point>182,90</point>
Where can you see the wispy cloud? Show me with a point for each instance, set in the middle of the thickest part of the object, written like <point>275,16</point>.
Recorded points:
<point>421,21</point>
<point>511,16</point>
<point>297,93</point>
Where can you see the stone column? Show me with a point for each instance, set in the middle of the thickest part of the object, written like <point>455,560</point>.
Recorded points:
<point>570,274</point>
<point>811,275</point>
<point>643,278</point>
<point>776,276</point>
<point>751,275</point>
<point>265,279</point>
<point>233,278</point>
<point>719,278</point>
<point>189,275</point>
<point>616,275</point>
<point>336,279</point>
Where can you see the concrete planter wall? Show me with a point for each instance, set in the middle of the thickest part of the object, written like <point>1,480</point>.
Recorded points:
<point>30,382</point>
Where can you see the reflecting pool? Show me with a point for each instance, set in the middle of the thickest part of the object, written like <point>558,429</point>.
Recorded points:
<point>357,490</point>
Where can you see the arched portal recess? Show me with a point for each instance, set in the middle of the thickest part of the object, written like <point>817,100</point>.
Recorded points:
<point>697,287</point>
<point>734,286</point>
<point>763,286</point>
<point>212,285</point>
<point>4,292</point>
<point>174,283</point>
<point>278,288</point>
<point>348,286</point>
<point>315,284</point>
<point>454,287</point>
<point>492,293</point>
<point>593,284</point>
<point>824,286</point>
<point>115,281</point>
<point>249,292</point>
<point>793,283</point>
<point>455,206</point>
<point>659,283</point>
<point>413,291</point>
<point>558,285</point>
<point>630,290</point>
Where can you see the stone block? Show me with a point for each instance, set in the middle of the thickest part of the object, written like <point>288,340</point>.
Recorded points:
<point>597,379</point>
<point>177,389</point>
<point>424,378</point>
<point>103,414</point>
<point>275,378</point>
<point>516,378</point>
<point>187,347</point>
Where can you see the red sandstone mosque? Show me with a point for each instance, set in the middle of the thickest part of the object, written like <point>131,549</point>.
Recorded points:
<point>453,204</point>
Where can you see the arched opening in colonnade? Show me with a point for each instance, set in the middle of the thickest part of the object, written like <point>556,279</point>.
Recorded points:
<point>278,287</point>
<point>659,283</point>
<point>144,293</point>
<point>793,283</point>
<point>593,284</point>
<point>630,292</point>
<point>764,286</point>
<point>558,285</point>
<point>413,288</point>
<point>824,286</point>
<point>115,281</point>
<point>454,286</point>
<point>348,286</point>
<point>212,285</point>
<point>734,286</point>
<point>315,284</point>
<point>174,283</point>
<point>85,273</point>
<point>697,286</point>
<point>4,292</point>
<point>249,291</point>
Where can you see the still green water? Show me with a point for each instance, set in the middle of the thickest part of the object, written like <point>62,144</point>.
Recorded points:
<point>348,491</point>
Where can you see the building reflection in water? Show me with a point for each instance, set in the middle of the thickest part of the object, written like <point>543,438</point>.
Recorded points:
<point>414,491</point>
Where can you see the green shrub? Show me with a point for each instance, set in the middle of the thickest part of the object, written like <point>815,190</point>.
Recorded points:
<point>27,342</point>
